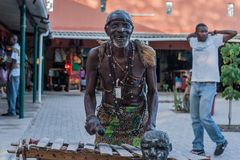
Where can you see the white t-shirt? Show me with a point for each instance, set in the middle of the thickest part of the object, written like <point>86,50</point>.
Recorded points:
<point>205,58</point>
<point>16,55</point>
<point>58,56</point>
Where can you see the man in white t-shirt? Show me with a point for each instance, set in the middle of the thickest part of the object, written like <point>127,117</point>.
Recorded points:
<point>13,77</point>
<point>205,75</point>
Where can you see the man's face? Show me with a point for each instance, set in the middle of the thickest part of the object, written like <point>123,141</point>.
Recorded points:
<point>155,150</point>
<point>13,40</point>
<point>202,33</point>
<point>119,32</point>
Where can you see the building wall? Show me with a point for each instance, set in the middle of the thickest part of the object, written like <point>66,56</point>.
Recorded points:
<point>185,14</point>
<point>148,15</point>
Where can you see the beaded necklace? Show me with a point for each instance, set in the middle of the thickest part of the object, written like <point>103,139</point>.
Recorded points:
<point>113,73</point>
<point>127,73</point>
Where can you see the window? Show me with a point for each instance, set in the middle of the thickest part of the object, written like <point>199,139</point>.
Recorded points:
<point>103,5</point>
<point>169,8</point>
<point>230,9</point>
<point>49,5</point>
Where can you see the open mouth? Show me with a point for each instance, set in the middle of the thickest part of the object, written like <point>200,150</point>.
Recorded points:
<point>121,37</point>
<point>121,40</point>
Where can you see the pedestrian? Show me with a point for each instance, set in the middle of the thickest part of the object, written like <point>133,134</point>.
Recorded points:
<point>82,78</point>
<point>3,71</point>
<point>205,75</point>
<point>178,82</point>
<point>58,58</point>
<point>13,76</point>
<point>123,66</point>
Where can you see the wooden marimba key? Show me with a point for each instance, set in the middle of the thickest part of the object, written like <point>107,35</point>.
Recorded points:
<point>58,150</point>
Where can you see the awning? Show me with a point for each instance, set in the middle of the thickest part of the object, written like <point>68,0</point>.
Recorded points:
<point>10,14</point>
<point>103,36</point>
<point>38,10</point>
<point>137,35</point>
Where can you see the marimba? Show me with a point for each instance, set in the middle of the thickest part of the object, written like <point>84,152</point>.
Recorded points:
<point>58,150</point>
<point>44,149</point>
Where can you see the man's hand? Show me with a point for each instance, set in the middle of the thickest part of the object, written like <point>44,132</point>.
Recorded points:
<point>92,123</point>
<point>213,32</point>
<point>191,35</point>
<point>227,34</point>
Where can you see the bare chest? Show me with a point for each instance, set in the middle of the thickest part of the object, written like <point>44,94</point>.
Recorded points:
<point>111,70</point>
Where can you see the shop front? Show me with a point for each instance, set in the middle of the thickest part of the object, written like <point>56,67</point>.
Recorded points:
<point>65,70</point>
<point>173,57</point>
<point>174,60</point>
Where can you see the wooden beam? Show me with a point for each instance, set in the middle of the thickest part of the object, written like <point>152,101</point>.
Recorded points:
<point>57,155</point>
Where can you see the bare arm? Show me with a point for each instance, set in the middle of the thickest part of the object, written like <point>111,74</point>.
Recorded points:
<point>152,97</point>
<point>92,122</point>
<point>11,66</point>
<point>227,34</point>
<point>91,78</point>
<point>191,35</point>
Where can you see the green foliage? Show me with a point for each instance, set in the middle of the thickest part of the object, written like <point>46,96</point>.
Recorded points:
<point>165,88</point>
<point>177,101</point>
<point>230,70</point>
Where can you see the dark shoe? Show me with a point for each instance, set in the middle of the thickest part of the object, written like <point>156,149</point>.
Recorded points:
<point>199,152</point>
<point>8,114</point>
<point>220,148</point>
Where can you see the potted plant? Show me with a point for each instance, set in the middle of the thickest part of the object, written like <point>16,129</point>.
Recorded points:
<point>230,74</point>
<point>177,101</point>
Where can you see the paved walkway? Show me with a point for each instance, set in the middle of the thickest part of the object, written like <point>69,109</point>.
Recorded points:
<point>62,115</point>
<point>178,126</point>
<point>12,128</point>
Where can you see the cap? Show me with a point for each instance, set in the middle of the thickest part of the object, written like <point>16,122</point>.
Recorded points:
<point>119,15</point>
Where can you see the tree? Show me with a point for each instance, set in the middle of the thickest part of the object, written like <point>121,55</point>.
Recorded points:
<point>230,74</point>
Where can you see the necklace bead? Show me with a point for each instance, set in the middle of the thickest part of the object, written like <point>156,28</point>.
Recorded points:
<point>126,69</point>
